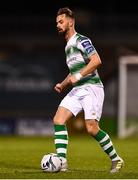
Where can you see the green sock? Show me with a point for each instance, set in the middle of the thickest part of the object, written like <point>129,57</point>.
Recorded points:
<point>61,140</point>
<point>107,145</point>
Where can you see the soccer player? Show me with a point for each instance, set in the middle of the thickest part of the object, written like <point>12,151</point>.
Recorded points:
<point>87,91</point>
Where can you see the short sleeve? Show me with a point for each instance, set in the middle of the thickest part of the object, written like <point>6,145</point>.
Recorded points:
<point>86,46</point>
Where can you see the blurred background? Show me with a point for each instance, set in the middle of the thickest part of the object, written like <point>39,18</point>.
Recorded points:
<point>32,61</point>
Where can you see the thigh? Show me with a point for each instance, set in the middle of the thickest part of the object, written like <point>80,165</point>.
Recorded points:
<point>71,102</point>
<point>93,103</point>
<point>62,115</point>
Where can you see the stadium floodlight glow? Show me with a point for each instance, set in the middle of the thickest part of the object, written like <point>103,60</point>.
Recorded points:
<point>123,130</point>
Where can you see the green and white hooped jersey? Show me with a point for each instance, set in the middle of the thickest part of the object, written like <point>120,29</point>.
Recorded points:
<point>78,50</point>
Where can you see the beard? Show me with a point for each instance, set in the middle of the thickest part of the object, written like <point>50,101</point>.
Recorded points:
<point>62,32</point>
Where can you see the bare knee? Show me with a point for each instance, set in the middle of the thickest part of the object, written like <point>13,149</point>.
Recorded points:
<point>92,127</point>
<point>62,116</point>
<point>58,120</point>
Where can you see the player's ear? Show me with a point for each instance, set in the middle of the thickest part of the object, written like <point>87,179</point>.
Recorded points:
<point>71,22</point>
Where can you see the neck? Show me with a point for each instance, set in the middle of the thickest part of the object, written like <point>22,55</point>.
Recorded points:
<point>69,34</point>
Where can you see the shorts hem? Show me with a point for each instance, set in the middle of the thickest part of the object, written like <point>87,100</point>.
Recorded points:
<point>92,118</point>
<point>75,114</point>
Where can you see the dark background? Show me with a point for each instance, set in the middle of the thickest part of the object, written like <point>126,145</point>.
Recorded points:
<point>32,58</point>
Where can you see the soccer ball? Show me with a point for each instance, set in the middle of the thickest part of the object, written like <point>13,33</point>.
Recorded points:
<point>51,163</point>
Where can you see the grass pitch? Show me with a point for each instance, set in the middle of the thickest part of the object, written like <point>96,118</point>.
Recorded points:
<point>20,158</point>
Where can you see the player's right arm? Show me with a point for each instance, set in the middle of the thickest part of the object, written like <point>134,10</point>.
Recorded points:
<point>59,87</point>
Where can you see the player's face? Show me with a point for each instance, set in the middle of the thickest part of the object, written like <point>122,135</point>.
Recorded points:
<point>62,24</point>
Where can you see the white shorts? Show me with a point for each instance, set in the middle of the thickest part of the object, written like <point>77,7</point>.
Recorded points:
<point>87,98</point>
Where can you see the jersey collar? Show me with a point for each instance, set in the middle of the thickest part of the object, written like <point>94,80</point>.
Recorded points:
<point>72,37</point>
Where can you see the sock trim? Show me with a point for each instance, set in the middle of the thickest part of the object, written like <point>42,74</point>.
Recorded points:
<point>62,155</point>
<point>105,142</point>
<point>65,137</point>
<point>61,146</point>
<point>112,153</point>
<point>114,156</point>
<point>59,127</point>
<point>61,141</point>
<point>105,138</point>
<point>109,149</point>
<point>61,150</point>
<point>61,133</point>
<point>107,146</point>
<point>100,135</point>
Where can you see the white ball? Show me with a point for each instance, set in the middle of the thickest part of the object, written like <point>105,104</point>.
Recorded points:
<point>51,163</point>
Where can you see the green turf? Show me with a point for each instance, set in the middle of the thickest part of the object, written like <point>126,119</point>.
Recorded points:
<point>20,158</point>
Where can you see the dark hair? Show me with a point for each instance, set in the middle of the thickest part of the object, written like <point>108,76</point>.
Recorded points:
<point>66,11</point>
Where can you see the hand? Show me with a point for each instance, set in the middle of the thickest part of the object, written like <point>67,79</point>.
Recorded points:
<point>58,87</point>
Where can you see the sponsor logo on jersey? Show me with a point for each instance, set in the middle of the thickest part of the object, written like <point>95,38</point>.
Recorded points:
<point>89,49</point>
<point>71,59</point>
<point>86,44</point>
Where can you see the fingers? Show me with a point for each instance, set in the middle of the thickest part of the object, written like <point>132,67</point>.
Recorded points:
<point>58,88</point>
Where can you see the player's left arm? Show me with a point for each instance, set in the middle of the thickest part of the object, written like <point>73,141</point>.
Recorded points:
<point>93,57</point>
<point>94,63</point>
